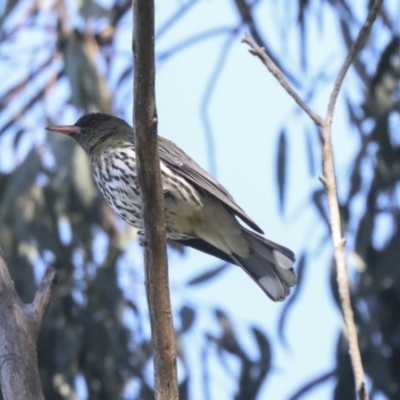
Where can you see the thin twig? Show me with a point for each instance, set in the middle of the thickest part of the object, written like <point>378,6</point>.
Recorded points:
<point>362,35</point>
<point>148,161</point>
<point>274,69</point>
<point>329,181</point>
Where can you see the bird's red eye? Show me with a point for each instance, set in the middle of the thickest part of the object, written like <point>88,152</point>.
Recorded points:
<point>93,122</point>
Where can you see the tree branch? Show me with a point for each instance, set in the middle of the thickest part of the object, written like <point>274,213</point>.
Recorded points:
<point>333,204</point>
<point>329,181</point>
<point>362,35</point>
<point>37,310</point>
<point>19,328</point>
<point>145,118</point>
<point>274,69</point>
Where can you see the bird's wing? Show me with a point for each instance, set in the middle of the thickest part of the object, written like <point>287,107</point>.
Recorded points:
<point>180,162</point>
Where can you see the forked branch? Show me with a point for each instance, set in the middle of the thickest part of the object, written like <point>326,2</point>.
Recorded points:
<point>19,328</point>
<point>329,181</point>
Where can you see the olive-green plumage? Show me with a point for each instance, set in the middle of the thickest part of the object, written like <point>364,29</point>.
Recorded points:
<point>199,212</point>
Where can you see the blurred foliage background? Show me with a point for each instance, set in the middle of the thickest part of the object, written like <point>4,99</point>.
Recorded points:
<point>94,342</point>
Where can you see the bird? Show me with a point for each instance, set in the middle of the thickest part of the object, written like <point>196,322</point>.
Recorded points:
<point>199,211</point>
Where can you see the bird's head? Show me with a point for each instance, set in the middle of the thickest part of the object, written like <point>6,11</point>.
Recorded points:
<point>94,129</point>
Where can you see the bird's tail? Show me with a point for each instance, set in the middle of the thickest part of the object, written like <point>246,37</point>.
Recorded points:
<point>269,264</point>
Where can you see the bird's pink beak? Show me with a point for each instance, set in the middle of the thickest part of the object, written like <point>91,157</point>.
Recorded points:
<point>64,129</point>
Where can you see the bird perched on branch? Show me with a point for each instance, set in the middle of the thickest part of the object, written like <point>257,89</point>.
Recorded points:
<point>199,212</point>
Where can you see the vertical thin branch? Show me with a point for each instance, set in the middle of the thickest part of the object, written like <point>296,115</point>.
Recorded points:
<point>145,119</point>
<point>329,180</point>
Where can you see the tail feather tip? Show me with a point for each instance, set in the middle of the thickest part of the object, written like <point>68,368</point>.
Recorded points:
<point>282,260</point>
<point>273,287</point>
